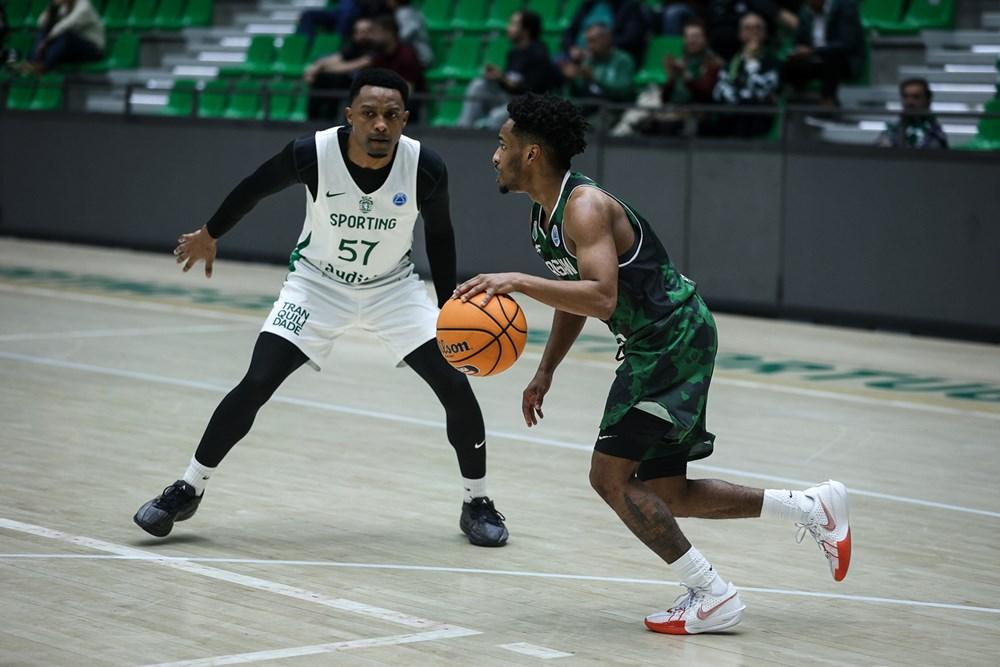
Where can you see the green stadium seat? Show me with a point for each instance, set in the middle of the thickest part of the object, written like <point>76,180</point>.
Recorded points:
<point>122,53</point>
<point>652,65</point>
<point>929,15</point>
<point>461,60</point>
<point>198,13</point>
<point>140,16</point>
<point>291,57</point>
<point>21,42</point>
<point>30,17</point>
<point>469,15</point>
<point>569,10</point>
<point>436,14</point>
<point>180,101</point>
<point>882,15</point>
<point>496,52</point>
<point>324,44</point>
<point>212,100</point>
<point>17,10</point>
<point>245,102</point>
<point>287,101</point>
<point>21,93</point>
<point>116,14</point>
<point>500,13</point>
<point>49,94</point>
<point>445,112</point>
<point>987,130</point>
<point>259,59</point>
<point>169,15</point>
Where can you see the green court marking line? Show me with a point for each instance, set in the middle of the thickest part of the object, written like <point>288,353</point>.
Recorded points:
<point>801,370</point>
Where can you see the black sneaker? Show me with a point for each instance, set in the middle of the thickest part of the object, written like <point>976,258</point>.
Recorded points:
<point>483,523</point>
<point>177,503</point>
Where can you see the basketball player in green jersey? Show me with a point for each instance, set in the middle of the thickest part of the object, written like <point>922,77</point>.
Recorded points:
<point>609,264</point>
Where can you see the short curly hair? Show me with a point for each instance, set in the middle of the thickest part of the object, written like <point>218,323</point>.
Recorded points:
<point>552,121</point>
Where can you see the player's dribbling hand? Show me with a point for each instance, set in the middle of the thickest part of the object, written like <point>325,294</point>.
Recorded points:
<point>196,246</point>
<point>488,284</point>
<point>534,394</point>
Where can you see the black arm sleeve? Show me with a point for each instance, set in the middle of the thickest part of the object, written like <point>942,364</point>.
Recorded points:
<point>433,199</point>
<point>273,176</point>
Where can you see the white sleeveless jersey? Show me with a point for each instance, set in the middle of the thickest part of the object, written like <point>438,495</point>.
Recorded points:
<point>357,238</point>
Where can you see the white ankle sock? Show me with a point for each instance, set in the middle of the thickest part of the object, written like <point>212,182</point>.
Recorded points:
<point>696,572</point>
<point>197,475</point>
<point>474,488</point>
<point>785,504</point>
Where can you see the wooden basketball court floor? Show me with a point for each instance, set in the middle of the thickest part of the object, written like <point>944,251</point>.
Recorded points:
<point>330,534</point>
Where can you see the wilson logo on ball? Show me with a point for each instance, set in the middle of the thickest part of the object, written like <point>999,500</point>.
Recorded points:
<point>481,339</point>
<point>453,348</point>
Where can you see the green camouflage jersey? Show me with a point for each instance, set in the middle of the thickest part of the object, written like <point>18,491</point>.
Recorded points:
<point>666,332</point>
<point>650,288</point>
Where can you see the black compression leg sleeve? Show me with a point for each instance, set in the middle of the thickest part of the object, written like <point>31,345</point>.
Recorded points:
<point>464,418</point>
<point>273,360</point>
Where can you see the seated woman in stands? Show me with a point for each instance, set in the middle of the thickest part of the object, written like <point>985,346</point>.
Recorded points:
<point>70,31</point>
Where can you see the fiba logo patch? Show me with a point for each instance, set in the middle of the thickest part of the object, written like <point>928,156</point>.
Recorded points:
<point>366,204</point>
<point>555,236</point>
<point>399,199</point>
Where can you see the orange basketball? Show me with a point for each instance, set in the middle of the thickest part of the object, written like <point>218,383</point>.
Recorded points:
<point>482,340</point>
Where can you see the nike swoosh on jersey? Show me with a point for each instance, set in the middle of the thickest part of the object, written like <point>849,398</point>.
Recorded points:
<point>334,194</point>
<point>705,613</point>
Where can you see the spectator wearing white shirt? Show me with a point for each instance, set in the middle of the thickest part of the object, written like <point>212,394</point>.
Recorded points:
<point>70,31</point>
<point>829,47</point>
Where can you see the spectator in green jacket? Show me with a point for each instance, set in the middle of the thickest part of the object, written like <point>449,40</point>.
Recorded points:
<point>601,71</point>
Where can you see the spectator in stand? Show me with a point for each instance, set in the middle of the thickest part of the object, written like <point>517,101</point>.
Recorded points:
<point>340,18</point>
<point>413,30</point>
<point>629,23</point>
<point>724,18</point>
<point>916,127</point>
<point>691,79</point>
<point>70,31</point>
<point>602,71</point>
<point>528,69</point>
<point>829,46</point>
<point>336,71</point>
<point>751,78</point>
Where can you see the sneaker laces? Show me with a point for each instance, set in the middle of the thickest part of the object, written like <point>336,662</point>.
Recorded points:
<point>174,495</point>
<point>683,602</point>
<point>482,508</point>
<point>811,527</point>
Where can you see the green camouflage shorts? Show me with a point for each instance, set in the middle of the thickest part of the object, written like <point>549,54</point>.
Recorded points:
<point>666,372</point>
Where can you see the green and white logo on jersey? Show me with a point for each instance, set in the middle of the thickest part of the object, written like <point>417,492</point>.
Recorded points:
<point>366,204</point>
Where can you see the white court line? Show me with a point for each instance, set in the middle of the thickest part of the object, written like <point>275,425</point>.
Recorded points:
<point>535,651</point>
<point>110,333</point>
<point>507,573</point>
<point>316,649</point>
<point>717,379</point>
<point>191,567</point>
<point>175,309</point>
<point>386,416</point>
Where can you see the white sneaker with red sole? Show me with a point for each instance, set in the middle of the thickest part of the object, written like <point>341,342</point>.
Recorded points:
<point>829,524</point>
<point>699,611</point>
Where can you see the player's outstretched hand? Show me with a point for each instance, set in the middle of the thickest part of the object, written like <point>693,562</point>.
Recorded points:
<point>534,394</point>
<point>196,246</point>
<point>488,284</point>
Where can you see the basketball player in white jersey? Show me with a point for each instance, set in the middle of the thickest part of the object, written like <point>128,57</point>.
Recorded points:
<point>366,184</point>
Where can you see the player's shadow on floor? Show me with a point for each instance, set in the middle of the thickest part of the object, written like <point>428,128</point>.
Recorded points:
<point>171,540</point>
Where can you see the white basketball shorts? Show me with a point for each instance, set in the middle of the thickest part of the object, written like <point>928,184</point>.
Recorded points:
<point>313,310</point>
